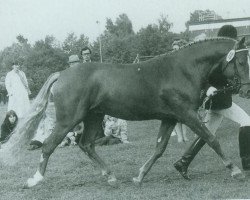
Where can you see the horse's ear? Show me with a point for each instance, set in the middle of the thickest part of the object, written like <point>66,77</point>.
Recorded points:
<point>242,41</point>
<point>239,44</point>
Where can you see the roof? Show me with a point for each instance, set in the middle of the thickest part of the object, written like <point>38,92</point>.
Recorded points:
<point>220,21</point>
<point>216,24</point>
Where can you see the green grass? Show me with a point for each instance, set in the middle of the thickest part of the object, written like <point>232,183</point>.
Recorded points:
<point>71,175</point>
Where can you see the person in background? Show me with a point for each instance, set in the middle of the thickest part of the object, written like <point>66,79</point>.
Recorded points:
<point>115,131</point>
<point>43,131</point>
<point>73,136</point>
<point>18,91</point>
<point>8,126</point>
<point>86,54</point>
<point>73,60</point>
<point>180,129</point>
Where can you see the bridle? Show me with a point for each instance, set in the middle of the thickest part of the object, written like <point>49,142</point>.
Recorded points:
<point>234,84</point>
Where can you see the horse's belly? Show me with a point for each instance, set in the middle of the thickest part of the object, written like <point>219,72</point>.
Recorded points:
<point>128,111</point>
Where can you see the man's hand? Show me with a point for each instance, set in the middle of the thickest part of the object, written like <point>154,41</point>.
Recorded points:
<point>211,91</point>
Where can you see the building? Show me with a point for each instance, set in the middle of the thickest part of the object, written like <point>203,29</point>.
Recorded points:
<point>207,15</point>
<point>210,28</point>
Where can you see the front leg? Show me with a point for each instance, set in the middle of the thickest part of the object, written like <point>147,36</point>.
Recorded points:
<point>201,130</point>
<point>165,131</point>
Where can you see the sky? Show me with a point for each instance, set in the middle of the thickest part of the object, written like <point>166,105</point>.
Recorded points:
<point>34,19</point>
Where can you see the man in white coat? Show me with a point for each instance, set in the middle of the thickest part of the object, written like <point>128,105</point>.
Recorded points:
<point>18,91</point>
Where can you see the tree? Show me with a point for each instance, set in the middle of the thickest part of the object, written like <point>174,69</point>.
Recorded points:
<point>117,41</point>
<point>155,39</point>
<point>73,45</point>
<point>44,59</point>
<point>121,27</point>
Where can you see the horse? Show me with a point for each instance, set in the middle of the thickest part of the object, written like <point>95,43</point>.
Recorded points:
<point>166,87</point>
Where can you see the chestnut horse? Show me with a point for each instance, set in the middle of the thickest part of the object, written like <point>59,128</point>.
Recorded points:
<point>166,87</point>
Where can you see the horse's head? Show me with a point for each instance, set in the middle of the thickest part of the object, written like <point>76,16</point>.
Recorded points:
<point>236,68</point>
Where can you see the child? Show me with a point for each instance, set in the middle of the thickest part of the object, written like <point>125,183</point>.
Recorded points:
<point>8,126</point>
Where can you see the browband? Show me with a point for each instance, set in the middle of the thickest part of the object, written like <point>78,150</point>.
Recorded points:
<point>241,50</point>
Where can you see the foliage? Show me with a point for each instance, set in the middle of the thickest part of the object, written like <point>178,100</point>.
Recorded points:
<point>119,44</point>
<point>118,40</point>
<point>155,39</point>
<point>44,59</point>
<point>73,45</point>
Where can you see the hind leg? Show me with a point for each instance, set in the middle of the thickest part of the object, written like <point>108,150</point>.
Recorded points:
<point>93,126</point>
<point>166,129</point>
<point>48,148</point>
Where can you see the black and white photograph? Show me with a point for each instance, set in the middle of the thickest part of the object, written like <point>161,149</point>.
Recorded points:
<point>124,99</point>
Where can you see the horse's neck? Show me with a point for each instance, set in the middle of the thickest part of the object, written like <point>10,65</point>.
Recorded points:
<point>207,55</point>
<point>209,51</point>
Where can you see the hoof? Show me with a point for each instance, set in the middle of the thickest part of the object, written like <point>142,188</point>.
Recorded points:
<point>137,182</point>
<point>238,176</point>
<point>31,182</point>
<point>113,182</point>
<point>182,170</point>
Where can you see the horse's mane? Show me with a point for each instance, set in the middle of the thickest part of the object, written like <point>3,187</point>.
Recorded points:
<point>191,44</point>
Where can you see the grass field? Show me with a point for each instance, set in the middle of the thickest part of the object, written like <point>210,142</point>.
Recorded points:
<point>71,175</point>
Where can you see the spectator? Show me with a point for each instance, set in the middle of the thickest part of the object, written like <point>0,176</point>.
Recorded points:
<point>73,136</point>
<point>44,129</point>
<point>8,126</point>
<point>86,54</point>
<point>73,60</point>
<point>18,91</point>
<point>115,131</point>
<point>180,129</point>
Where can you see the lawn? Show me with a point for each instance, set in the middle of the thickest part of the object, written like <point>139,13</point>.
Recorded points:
<point>71,175</point>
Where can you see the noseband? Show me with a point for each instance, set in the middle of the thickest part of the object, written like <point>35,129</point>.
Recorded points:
<point>235,84</point>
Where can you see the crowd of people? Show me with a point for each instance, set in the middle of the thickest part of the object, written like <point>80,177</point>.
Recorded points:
<point>220,105</point>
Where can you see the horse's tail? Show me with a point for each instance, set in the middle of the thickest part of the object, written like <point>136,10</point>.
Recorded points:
<point>25,130</point>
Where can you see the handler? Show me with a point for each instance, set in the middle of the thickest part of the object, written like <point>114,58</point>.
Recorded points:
<point>221,106</point>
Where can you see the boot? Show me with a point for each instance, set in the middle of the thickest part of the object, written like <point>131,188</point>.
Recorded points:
<point>244,146</point>
<point>182,164</point>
